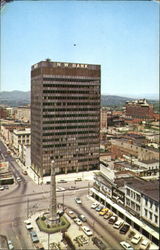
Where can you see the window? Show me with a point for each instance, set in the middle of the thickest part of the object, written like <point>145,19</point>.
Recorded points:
<point>146,201</point>
<point>150,215</point>
<point>128,191</point>
<point>156,207</point>
<point>156,218</point>
<point>138,197</point>
<point>137,208</point>
<point>151,203</point>
<point>146,212</point>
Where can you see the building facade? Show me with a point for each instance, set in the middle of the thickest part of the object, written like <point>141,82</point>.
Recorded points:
<point>139,109</point>
<point>65,116</point>
<point>142,199</point>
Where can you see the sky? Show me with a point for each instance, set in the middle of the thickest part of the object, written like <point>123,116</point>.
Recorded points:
<point>121,36</point>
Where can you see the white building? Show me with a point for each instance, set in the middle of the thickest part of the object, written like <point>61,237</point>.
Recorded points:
<point>25,154</point>
<point>142,199</point>
<point>21,137</point>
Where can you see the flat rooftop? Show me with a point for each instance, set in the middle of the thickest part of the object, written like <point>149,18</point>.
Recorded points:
<point>147,188</point>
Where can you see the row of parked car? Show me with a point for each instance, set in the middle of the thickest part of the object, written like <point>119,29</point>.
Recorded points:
<point>122,226</point>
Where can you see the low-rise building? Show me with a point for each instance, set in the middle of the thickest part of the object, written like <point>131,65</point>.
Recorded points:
<point>142,199</point>
<point>21,137</point>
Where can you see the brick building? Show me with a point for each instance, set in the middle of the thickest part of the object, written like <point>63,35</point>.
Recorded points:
<point>139,109</point>
<point>65,116</point>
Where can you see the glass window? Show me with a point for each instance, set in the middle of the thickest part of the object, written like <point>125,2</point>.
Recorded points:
<point>150,215</point>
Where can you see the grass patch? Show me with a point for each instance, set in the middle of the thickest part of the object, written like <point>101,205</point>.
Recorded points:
<point>43,226</point>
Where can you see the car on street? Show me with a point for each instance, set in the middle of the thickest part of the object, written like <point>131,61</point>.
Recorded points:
<point>62,181</point>
<point>136,239</point>
<point>19,179</point>
<point>78,179</point>
<point>124,229</point>
<point>34,237</point>
<point>112,219</point>
<point>126,245</point>
<point>87,230</point>
<point>82,217</point>
<point>118,224</point>
<point>78,221</point>
<point>99,243</point>
<point>10,245</point>
<point>78,200</point>
<point>61,188</point>
<point>103,211</point>
<point>1,188</point>
<point>24,172</point>
<point>108,215</point>
<point>72,188</point>
<point>144,244</point>
<point>94,205</point>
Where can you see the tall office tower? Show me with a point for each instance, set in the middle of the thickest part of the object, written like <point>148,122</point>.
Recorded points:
<point>65,116</point>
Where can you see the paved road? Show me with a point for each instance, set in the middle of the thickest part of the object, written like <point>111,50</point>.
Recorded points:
<point>25,198</point>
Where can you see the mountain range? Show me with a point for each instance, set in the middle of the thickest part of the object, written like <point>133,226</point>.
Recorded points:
<point>19,98</point>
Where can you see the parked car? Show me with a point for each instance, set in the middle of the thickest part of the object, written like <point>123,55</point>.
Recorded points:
<point>82,217</point>
<point>87,230</point>
<point>99,208</point>
<point>1,188</point>
<point>144,244</point>
<point>78,200</point>
<point>118,224</point>
<point>24,172</point>
<point>72,188</point>
<point>124,229</point>
<point>103,211</point>
<point>10,245</point>
<point>78,221</point>
<point>126,245</point>
<point>136,239</point>
<point>34,237</point>
<point>112,219</point>
<point>28,224</point>
<point>99,243</point>
<point>108,215</point>
<point>71,214</point>
<point>94,205</point>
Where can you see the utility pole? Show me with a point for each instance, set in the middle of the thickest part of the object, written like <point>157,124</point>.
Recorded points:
<point>63,201</point>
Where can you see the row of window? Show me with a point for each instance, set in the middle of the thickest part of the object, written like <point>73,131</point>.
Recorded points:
<point>71,133</point>
<point>69,79</point>
<point>70,127</point>
<point>70,98</point>
<point>72,104</point>
<point>151,215</point>
<point>66,92</point>
<point>69,115</point>
<point>67,145</point>
<point>74,109</point>
<point>69,121</point>
<point>69,86</point>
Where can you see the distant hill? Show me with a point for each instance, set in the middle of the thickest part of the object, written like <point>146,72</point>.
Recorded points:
<point>15,98</point>
<point>18,98</point>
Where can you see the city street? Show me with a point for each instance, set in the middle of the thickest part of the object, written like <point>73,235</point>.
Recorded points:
<point>24,198</point>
